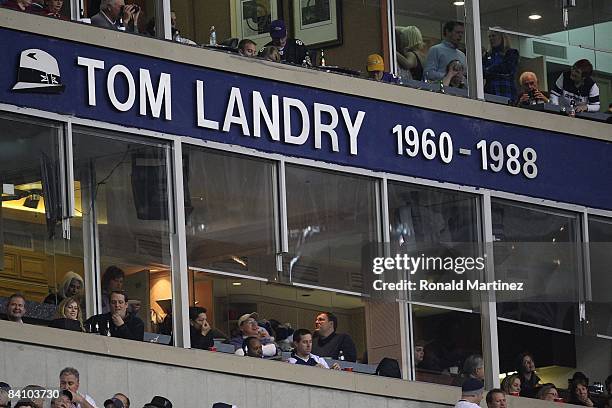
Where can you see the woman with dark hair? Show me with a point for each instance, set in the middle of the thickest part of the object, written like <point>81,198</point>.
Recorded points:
<point>579,393</point>
<point>499,66</point>
<point>527,374</point>
<point>577,85</point>
<point>112,280</point>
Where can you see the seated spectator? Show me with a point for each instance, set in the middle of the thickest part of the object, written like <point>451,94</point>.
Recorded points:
<point>38,393</point>
<point>283,335</point>
<point>511,385</point>
<point>53,9</point>
<point>455,75</point>
<point>5,401</point>
<point>68,316</point>
<point>116,15</point>
<point>473,367</point>
<point>410,52</point>
<point>471,394</point>
<point>200,330</point>
<point>548,392</point>
<point>247,48</point>
<point>270,53</point>
<point>419,353</point>
<point>16,308</point>
<point>376,70</point>
<point>251,346</point>
<point>72,284</point>
<point>248,326</point>
<point>579,393</point>
<point>289,49</point>
<point>118,400</point>
<point>19,5</point>
<point>69,380</point>
<point>530,94</point>
<point>328,343</point>
<point>499,66</point>
<point>302,352</point>
<point>111,280</point>
<point>118,322</point>
<point>578,86</point>
<point>64,400</point>
<point>159,402</point>
<point>441,54</point>
<point>496,398</point>
<point>527,374</point>
<point>25,403</point>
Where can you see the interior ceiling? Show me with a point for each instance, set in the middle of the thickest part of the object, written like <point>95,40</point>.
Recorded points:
<point>513,14</point>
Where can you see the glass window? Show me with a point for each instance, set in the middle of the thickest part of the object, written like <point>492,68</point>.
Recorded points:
<point>137,16</point>
<point>333,228</point>
<point>599,312</point>
<point>121,185</point>
<point>230,212</point>
<point>35,259</point>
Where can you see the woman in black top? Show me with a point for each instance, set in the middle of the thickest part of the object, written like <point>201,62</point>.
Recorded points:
<point>68,315</point>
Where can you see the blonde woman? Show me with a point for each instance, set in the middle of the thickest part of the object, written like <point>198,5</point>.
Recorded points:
<point>499,66</point>
<point>512,385</point>
<point>410,52</point>
<point>68,315</point>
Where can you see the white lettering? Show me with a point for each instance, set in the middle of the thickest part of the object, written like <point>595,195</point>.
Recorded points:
<point>260,110</point>
<point>164,94</point>
<point>235,100</point>
<point>353,128</point>
<point>92,65</point>
<point>320,127</point>
<point>110,86</point>
<point>202,121</point>
<point>288,103</point>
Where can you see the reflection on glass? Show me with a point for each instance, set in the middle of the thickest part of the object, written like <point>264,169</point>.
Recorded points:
<point>34,259</point>
<point>443,341</point>
<point>122,197</point>
<point>438,225</point>
<point>230,213</point>
<point>332,228</point>
<point>538,248</point>
<point>599,310</point>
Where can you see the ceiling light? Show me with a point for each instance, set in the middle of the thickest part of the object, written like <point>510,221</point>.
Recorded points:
<point>459,3</point>
<point>237,283</point>
<point>535,16</point>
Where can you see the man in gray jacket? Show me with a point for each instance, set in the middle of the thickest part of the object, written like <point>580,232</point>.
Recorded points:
<point>116,15</point>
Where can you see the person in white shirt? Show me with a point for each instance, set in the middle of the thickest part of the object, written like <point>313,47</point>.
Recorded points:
<point>302,352</point>
<point>471,394</point>
<point>69,380</point>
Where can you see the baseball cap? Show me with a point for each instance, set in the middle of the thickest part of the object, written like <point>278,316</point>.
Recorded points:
<point>375,63</point>
<point>114,403</point>
<point>159,402</point>
<point>246,317</point>
<point>278,29</point>
<point>472,386</point>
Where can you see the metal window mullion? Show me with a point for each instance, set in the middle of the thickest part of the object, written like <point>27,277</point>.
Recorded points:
<point>391,34</point>
<point>162,19</point>
<point>178,250</point>
<point>473,48</point>
<point>283,228</point>
<point>91,242</point>
<point>76,10</point>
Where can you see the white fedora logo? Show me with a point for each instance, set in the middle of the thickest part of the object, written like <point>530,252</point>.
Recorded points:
<point>38,72</point>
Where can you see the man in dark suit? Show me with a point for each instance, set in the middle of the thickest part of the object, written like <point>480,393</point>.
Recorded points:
<point>115,14</point>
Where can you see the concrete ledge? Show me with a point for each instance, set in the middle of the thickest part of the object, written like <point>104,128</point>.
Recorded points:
<point>298,76</point>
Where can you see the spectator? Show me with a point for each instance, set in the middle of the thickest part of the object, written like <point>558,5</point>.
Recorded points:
<point>118,400</point>
<point>511,385</point>
<point>53,9</point>
<point>37,393</point>
<point>302,352</point>
<point>5,401</point>
<point>290,49</point>
<point>496,398</point>
<point>68,316</point>
<point>64,400</point>
<point>248,326</point>
<point>441,54</point>
<point>251,346</point>
<point>410,52</point>
<point>527,374</point>
<point>455,75</point>
<point>115,14</point>
<point>548,392</point>
<point>473,367</point>
<point>118,322</point>
<point>270,53</point>
<point>578,86</point>
<point>69,380</point>
<point>200,330</point>
<point>16,308</point>
<point>499,66</point>
<point>72,283</point>
<point>25,403</point>
<point>111,280</point>
<point>283,335</point>
<point>376,70</point>
<point>123,398</point>
<point>247,48</point>
<point>19,5</point>
<point>530,94</point>
<point>419,353</point>
<point>328,343</point>
<point>471,394</point>
<point>579,393</point>
<point>159,402</point>
<point>176,35</point>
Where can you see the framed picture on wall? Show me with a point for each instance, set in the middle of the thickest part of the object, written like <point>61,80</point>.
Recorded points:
<point>251,19</point>
<point>318,23</point>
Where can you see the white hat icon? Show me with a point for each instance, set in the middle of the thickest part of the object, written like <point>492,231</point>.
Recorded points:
<point>39,71</point>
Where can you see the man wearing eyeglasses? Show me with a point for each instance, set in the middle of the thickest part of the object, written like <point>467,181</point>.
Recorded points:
<point>247,323</point>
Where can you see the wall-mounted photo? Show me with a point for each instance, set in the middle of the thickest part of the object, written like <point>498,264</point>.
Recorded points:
<point>318,23</point>
<point>251,19</point>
